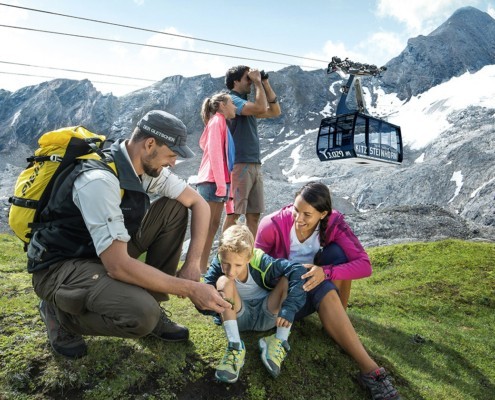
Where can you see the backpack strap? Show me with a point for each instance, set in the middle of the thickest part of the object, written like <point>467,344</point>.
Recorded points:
<point>26,203</point>
<point>75,148</point>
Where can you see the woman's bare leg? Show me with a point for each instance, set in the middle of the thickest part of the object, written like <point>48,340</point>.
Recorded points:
<point>338,325</point>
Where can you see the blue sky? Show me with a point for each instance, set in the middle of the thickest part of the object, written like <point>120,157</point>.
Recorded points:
<point>371,31</point>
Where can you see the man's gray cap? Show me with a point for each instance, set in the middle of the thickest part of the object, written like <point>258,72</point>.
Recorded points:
<point>168,128</point>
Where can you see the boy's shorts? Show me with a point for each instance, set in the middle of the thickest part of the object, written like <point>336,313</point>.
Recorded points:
<point>255,316</point>
<point>207,191</point>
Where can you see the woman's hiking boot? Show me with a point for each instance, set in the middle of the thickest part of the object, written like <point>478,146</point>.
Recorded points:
<point>379,385</point>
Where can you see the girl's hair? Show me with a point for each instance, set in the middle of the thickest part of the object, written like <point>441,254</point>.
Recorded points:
<point>317,195</point>
<point>236,239</point>
<point>211,105</point>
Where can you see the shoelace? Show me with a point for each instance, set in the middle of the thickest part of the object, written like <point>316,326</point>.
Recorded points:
<point>383,379</point>
<point>280,352</point>
<point>165,316</point>
<point>230,357</point>
<point>66,336</point>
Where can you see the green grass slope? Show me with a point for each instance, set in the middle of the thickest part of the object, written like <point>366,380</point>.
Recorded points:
<point>426,314</point>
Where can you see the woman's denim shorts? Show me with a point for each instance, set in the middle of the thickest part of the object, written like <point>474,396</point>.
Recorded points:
<point>207,191</point>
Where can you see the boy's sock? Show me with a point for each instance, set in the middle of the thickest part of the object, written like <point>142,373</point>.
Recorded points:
<point>282,333</point>
<point>232,331</point>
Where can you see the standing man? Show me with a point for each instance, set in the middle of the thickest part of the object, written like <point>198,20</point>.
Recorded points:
<point>83,256</point>
<point>247,179</point>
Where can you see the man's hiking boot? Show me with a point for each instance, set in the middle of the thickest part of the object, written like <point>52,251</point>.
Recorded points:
<point>63,342</point>
<point>229,368</point>
<point>273,352</point>
<point>379,385</point>
<point>168,330</point>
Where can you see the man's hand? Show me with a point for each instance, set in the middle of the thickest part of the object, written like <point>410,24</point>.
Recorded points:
<point>189,271</point>
<point>254,75</point>
<point>206,297</point>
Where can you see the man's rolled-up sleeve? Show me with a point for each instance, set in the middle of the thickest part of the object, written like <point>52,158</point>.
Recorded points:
<point>97,195</point>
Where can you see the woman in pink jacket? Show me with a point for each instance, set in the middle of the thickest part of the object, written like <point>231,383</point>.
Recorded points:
<point>216,165</point>
<point>312,233</point>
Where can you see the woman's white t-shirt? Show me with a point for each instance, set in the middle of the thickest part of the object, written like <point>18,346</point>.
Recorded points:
<point>305,252</point>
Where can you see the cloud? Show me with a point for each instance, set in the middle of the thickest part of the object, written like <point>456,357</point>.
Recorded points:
<point>491,11</point>
<point>420,16</point>
<point>378,49</point>
<point>381,47</point>
<point>331,49</point>
<point>167,62</point>
<point>12,16</point>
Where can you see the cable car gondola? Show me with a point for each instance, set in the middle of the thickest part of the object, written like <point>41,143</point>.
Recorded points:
<point>353,135</point>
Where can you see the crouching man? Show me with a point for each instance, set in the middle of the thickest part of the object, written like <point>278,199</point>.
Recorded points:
<point>83,256</point>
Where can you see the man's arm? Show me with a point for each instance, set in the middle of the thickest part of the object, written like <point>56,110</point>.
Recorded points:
<point>273,109</point>
<point>112,248</point>
<point>260,104</point>
<point>200,221</point>
<point>122,267</point>
<point>266,103</point>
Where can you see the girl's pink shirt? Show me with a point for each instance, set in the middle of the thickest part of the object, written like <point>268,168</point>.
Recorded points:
<point>213,142</point>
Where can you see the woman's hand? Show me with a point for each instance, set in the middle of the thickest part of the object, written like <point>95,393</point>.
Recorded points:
<point>313,277</point>
<point>282,322</point>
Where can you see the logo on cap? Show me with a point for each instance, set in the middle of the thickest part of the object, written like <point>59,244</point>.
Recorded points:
<point>156,132</point>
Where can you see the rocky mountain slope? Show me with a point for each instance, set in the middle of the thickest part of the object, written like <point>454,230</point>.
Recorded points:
<point>465,42</point>
<point>428,178</point>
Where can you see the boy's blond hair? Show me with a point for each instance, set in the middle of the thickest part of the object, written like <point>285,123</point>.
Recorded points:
<point>236,239</point>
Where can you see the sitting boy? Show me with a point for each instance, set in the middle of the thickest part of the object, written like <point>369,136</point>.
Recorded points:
<point>265,292</point>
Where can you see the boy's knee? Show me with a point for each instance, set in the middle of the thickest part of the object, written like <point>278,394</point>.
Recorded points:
<point>225,285</point>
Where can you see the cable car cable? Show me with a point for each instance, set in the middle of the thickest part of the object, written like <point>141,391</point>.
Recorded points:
<point>78,71</point>
<point>149,45</point>
<point>162,33</point>
<point>54,77</point>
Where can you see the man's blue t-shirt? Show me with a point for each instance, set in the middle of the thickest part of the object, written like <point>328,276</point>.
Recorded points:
<point>245,132</point>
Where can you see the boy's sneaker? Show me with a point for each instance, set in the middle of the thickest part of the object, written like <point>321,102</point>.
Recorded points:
<point>229,368</point>
<point>168,330</point>
<point>273,352</point>
<point>63,342</point>
<point>379,385</point>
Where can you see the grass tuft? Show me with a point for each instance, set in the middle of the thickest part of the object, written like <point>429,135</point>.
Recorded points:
<point>426,314</point>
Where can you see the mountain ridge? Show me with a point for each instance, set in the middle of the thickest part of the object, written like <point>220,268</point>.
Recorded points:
<point>452,167</point>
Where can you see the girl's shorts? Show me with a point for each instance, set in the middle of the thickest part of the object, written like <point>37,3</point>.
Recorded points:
<point>207,191</point>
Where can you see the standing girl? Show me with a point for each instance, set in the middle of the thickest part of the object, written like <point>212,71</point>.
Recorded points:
<point>217,162</point>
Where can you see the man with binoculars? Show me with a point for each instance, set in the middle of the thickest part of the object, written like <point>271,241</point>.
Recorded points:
<point>247,179</point>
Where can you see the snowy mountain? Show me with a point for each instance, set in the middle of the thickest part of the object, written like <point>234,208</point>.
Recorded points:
<point>464,43</point>
<point>445,186</point>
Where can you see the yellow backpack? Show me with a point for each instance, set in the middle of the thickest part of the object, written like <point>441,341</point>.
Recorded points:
<point>57,150</point>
